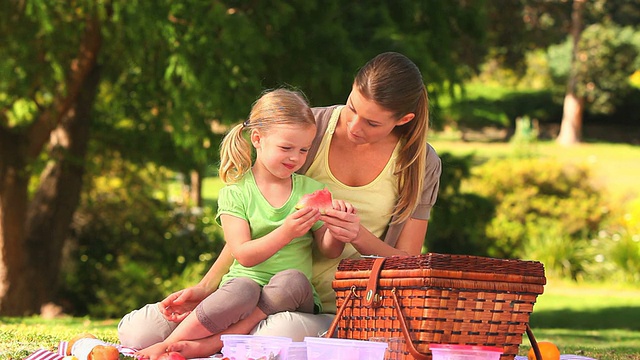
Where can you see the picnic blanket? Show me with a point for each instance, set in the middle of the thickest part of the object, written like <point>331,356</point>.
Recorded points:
<point>562,357</point>
<point>44,354</point>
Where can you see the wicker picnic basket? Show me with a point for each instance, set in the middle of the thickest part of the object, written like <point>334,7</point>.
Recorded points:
<point>437,298</point>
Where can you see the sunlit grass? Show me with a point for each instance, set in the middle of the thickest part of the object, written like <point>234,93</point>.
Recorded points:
<point>615,167</point>
<point>19,337</point>
<point>595,320</point>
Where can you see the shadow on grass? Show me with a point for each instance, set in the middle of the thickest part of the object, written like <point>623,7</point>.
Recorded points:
<point>624,317</point>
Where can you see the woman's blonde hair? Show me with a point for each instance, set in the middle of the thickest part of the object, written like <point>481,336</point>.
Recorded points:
<point>395,83</point>
<point>274,107</point>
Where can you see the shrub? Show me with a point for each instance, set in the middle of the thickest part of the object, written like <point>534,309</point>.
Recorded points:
<point>458,219</point>
<point>537,200</point>
<point>130,247</point>
<point>617,254</point>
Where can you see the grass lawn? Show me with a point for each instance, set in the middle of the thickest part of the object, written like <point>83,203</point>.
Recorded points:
<point>599,321</point>
<point>615,167</point>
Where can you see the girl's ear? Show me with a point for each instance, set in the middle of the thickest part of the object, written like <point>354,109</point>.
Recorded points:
<point>405,119</point>
<point>255,138</point>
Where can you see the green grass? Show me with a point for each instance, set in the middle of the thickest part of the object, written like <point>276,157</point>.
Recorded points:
<point>615,167</point>
<point>19,337</point>
<point>599,321</point>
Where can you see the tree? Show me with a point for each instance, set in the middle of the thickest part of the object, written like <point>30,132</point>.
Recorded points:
<point>146,97</point>
<point>38,113</point>
<point>571,126</point>
<point>595,64</point>
<point>149,81</point>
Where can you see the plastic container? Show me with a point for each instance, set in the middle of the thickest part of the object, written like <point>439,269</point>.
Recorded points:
<point>395,347</point>
<point>82,348</point>
<point>297,351</point>
<point>464,352</point>
<point>344,349</point>
<point>243,347</point>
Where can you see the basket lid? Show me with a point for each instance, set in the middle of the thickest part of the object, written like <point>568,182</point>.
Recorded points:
<point>448,266</point>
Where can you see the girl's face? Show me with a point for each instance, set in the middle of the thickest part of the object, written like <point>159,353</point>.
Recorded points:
<point>368,122</point>
<point>283,149</point>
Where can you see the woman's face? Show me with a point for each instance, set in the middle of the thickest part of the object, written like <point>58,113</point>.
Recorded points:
<point>368,122</point>
<point>283,149</point>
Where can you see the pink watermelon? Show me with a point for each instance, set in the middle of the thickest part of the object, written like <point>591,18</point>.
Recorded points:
<point>319,199</point>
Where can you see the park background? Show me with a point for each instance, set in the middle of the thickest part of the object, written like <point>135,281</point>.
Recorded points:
<point>111,113</point>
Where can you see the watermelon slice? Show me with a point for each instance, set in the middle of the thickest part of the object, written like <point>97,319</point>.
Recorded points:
<point>319,199</point>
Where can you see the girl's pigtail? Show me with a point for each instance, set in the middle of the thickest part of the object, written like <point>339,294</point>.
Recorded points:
<point>235,155</point>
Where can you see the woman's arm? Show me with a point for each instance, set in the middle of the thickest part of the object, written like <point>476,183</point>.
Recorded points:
<point>347,228</point>
<point>179,304</point>
<point>220,267</point>
<point>328,245</point>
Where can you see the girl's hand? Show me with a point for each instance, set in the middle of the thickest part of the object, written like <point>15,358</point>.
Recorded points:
<point>342,221</point>
<point>301,221</point>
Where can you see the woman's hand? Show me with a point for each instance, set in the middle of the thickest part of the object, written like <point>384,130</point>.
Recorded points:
<point>178,305</point>
<point>342,221</point>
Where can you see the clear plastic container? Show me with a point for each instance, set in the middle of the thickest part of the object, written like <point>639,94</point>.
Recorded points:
<point>395,346</point>
<point>243,347</point>
<point>344,349</point>
<point>464,352</point>
<point>297,351</point>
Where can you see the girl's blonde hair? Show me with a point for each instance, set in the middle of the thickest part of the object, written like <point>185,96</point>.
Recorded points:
<point>395,83</point>
<point>274,107</point>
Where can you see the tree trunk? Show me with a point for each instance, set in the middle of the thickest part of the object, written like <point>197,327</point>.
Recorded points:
<point>14,180</point>
<point>196,188</point>
<point>571,126</point>
<point>31,234</point>
<point>58,196</point>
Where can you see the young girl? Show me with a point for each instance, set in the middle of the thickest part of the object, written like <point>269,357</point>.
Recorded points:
<point>269,239</point>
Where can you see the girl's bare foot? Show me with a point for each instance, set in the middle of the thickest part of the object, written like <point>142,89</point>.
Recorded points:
<point>152,352</point>
<point>204,347</point>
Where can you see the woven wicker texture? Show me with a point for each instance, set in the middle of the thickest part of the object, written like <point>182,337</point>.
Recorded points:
<point>448,299</point>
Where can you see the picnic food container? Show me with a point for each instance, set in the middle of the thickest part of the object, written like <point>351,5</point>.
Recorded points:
<point>86,348</point>
<point>319,348</point>
<point>297,351</point>
<point>395,347</point>
<point>244,347</point>
<point>464,352</point>
<point>437,299</point>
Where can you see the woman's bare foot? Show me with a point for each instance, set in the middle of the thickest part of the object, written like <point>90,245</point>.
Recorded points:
<point>152,352</point>
<point>204,347</point>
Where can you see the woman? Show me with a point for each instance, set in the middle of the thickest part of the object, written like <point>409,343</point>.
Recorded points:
<point>371,152</point>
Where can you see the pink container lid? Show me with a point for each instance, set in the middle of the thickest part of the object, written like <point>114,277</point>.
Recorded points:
<point>465,347</point>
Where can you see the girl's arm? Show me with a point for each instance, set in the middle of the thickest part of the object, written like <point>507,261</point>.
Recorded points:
<point>250,252</point>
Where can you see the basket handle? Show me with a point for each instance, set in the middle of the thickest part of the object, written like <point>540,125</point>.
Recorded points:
<point>405,329</point>
<point>403,324</point>
<point>334,323</point>
<point>371,296</point>
<point>534,343</point>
